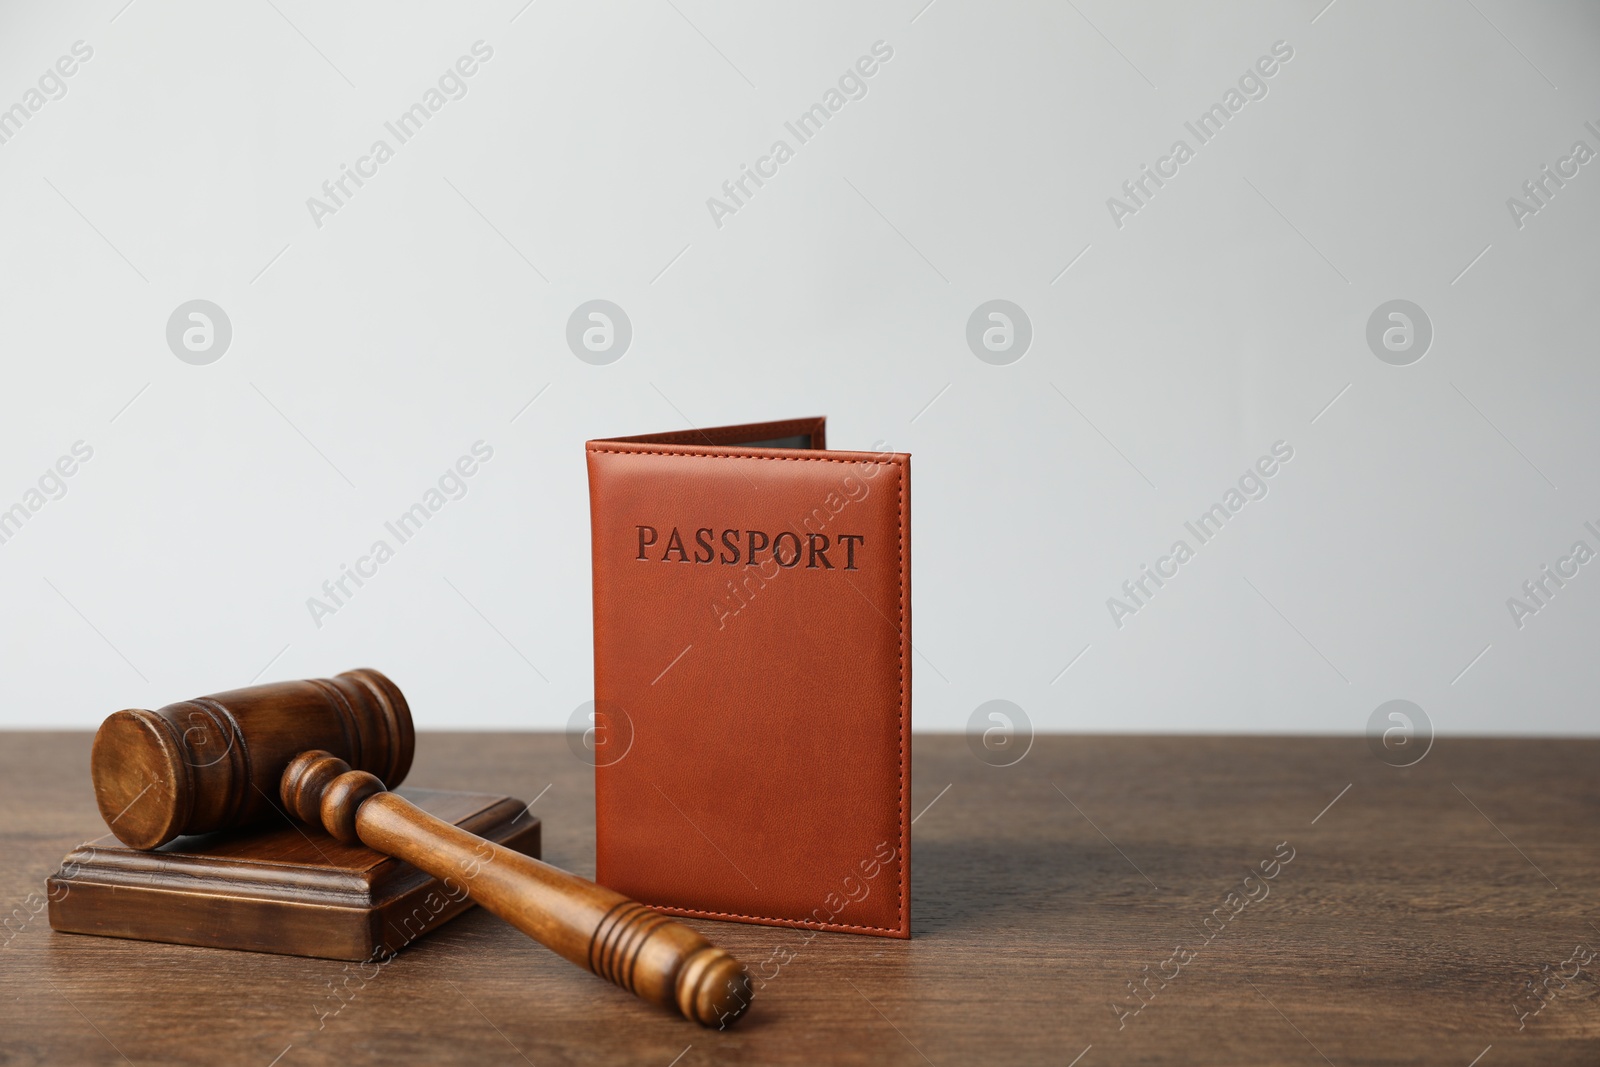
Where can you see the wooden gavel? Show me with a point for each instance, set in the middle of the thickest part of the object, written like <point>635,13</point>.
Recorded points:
<point>326,747</point>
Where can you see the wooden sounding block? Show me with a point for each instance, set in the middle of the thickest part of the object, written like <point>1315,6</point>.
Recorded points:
<point>286,889</point>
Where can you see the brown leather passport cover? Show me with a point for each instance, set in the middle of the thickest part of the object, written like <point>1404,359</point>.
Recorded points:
<point>752,656</point>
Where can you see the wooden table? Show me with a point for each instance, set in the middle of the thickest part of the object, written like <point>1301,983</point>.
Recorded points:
<point>1417,906</point>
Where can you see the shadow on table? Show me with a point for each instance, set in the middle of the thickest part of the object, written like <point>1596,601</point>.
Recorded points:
<point>992,886</point>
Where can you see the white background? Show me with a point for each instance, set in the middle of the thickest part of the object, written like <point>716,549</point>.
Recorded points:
<point>371,351</point>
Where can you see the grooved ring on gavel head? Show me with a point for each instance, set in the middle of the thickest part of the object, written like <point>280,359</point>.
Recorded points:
<point>215,762</point>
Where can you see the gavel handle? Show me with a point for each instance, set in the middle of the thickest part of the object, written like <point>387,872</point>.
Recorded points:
<point>621,940</point>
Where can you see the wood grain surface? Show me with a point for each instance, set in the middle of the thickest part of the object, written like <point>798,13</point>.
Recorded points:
<point>1418,909</point>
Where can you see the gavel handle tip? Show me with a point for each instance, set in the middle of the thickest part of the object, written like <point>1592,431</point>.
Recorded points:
<point>713,988</point>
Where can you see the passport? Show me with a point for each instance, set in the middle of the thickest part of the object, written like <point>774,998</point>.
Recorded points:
<point>751,732</point>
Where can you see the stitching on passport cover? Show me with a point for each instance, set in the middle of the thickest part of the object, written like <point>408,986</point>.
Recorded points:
<point>905,828</point>
<point>674,910</point>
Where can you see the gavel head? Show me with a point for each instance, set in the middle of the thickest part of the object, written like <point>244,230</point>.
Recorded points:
<point>215,762</point>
